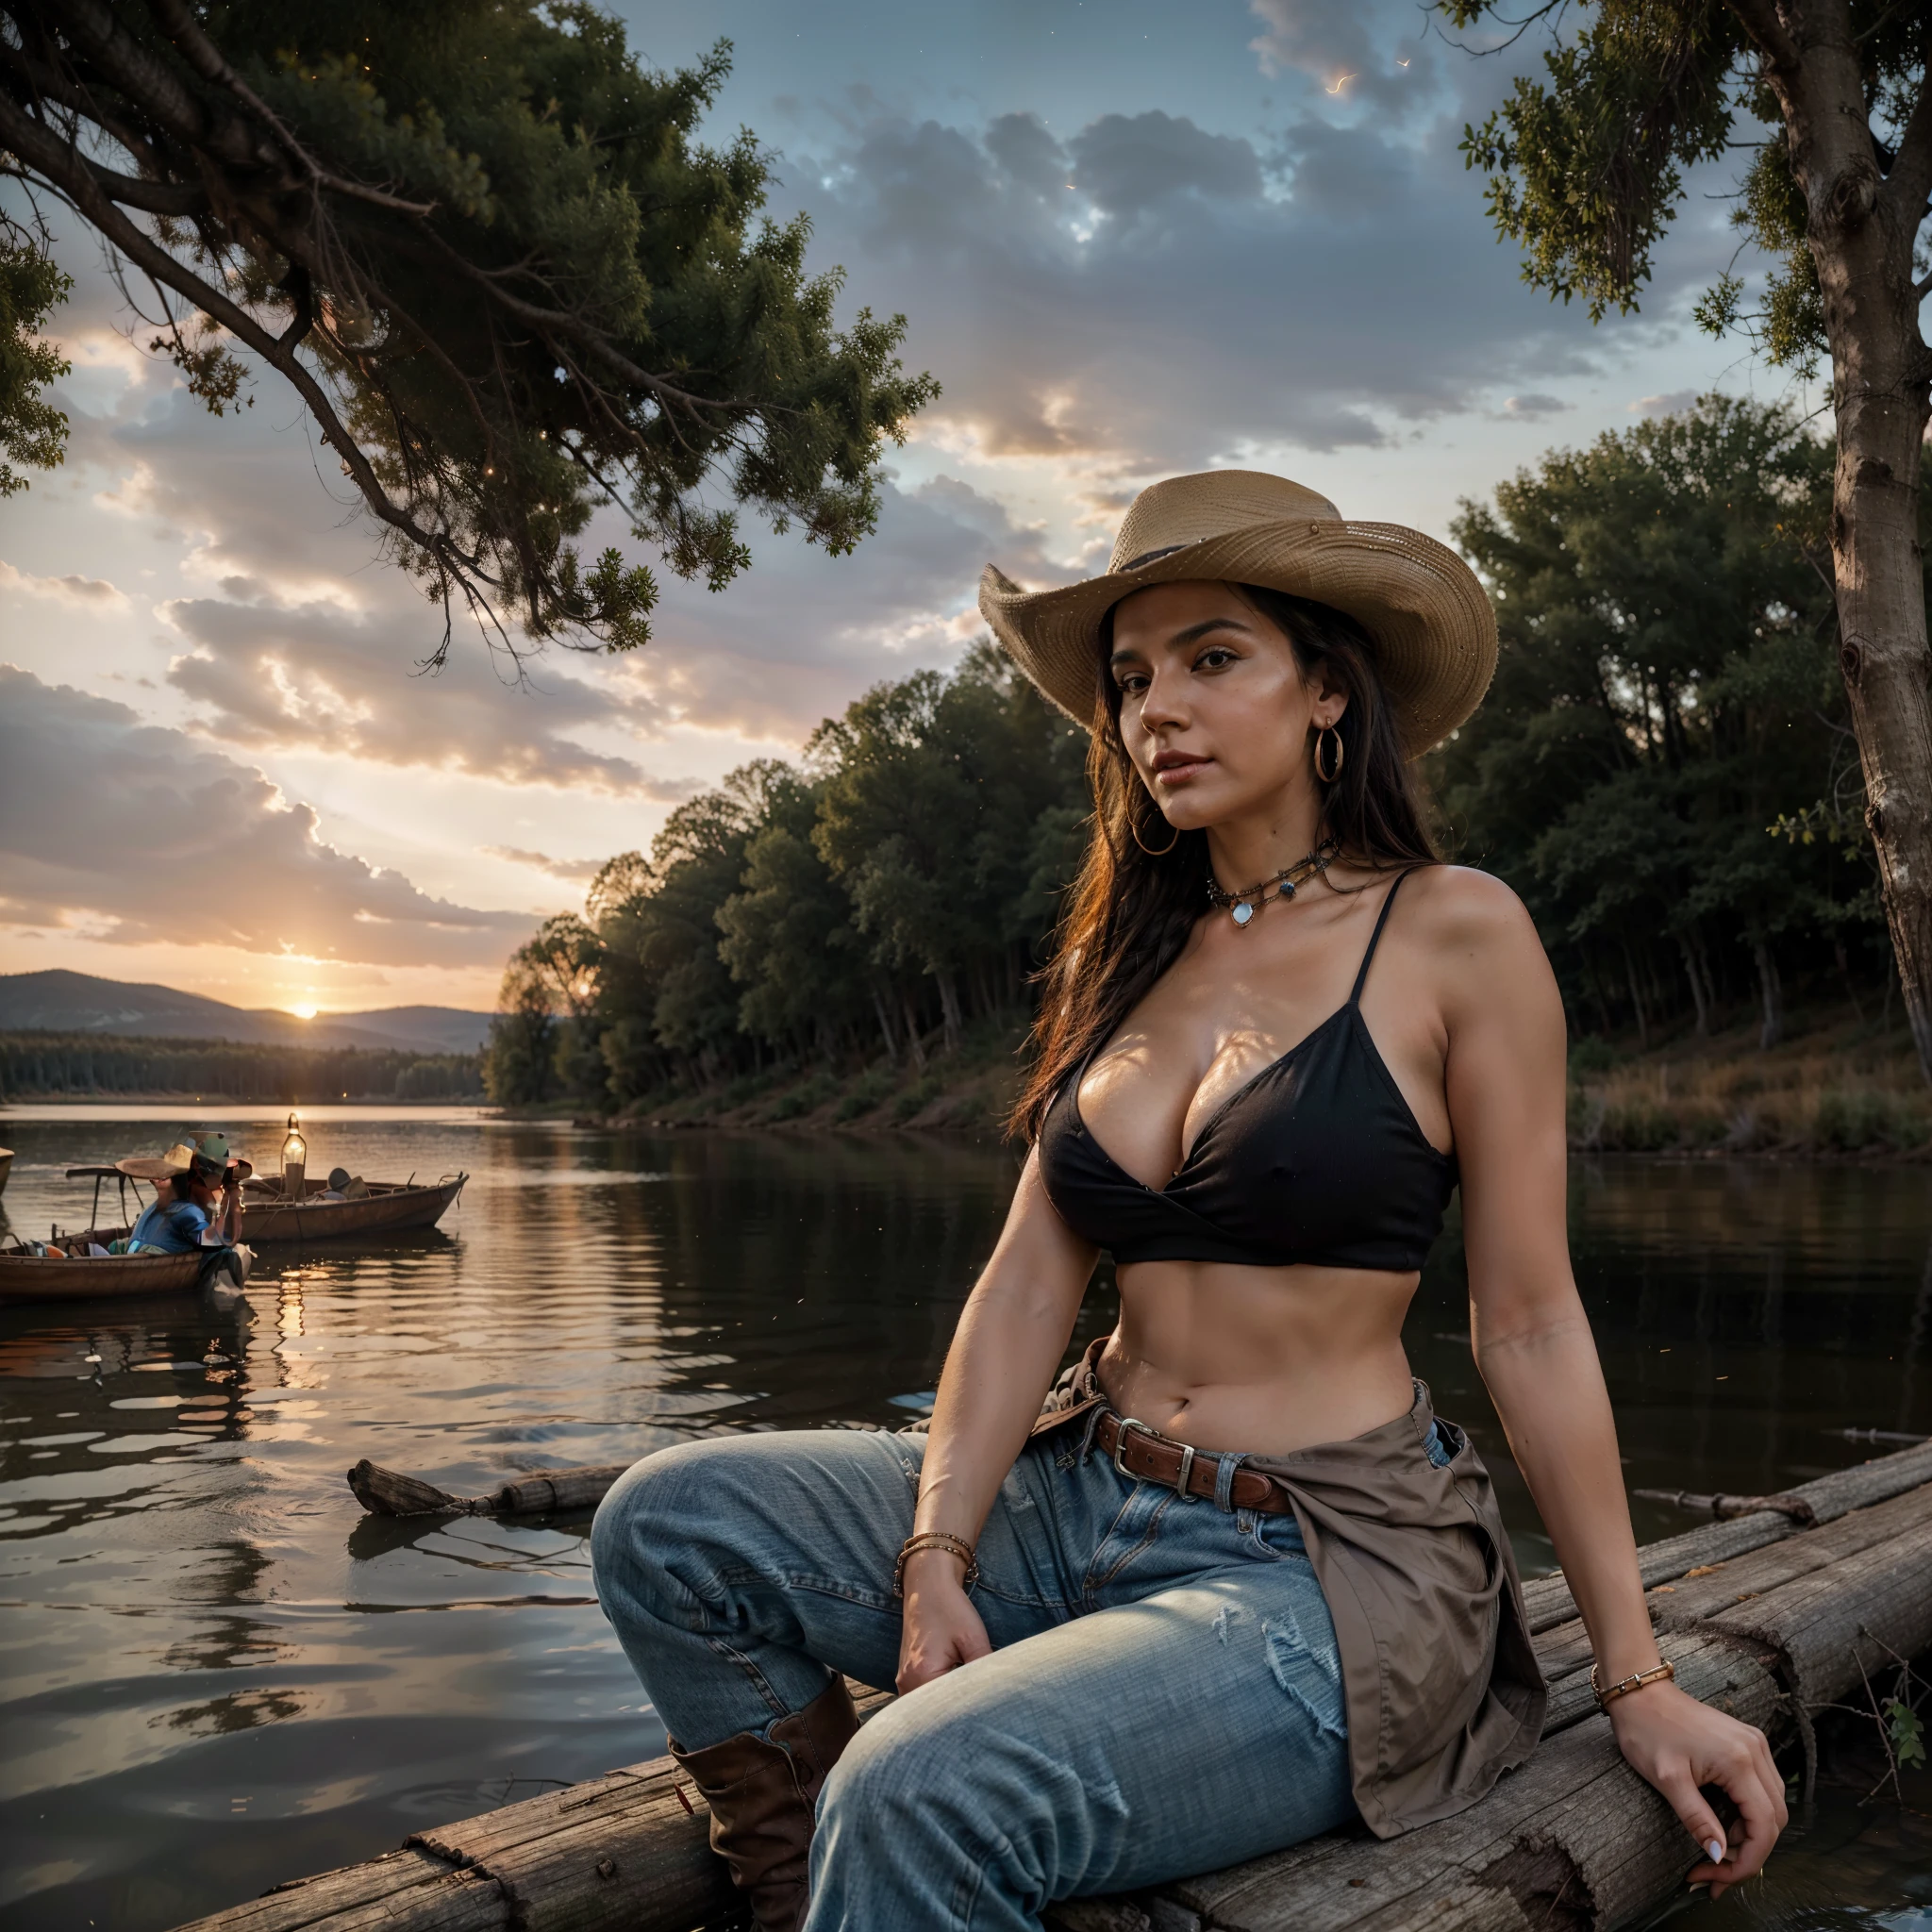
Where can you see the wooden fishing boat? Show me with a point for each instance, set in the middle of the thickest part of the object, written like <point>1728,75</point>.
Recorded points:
<point>385,1207</point>
<point>78,1275</point>
<point>81,1277</point>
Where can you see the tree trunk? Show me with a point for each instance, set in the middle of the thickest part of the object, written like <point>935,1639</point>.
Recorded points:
<point>1844,971</point>
<point>1606,1026</point>
<point>1711,993</point>
<point>1773,987</point>
<point>949,1006</point>
<point>914,1045</point>
<point>1697,1000</point>
<point>1637,1000</point>
<point>1861,227</point>
<point>885,1017</point>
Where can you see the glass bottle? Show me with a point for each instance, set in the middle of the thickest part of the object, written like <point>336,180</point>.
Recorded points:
<point>294,1162</point>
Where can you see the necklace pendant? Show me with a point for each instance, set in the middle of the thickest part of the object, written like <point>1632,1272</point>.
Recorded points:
<point>1242,912</point>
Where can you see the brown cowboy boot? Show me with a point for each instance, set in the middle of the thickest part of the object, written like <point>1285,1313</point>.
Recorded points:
<point>762,1791</point>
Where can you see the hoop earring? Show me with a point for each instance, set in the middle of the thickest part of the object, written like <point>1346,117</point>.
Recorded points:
<point>1327,772</point>
<point>1150,851</point>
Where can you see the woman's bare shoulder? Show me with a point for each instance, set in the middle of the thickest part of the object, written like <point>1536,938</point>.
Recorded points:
<point>1469,923</point>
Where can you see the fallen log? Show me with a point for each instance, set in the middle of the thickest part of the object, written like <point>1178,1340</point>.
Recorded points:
<point>1761,1618</point>
<point>543,1492</point>
<point>1548,1598</point>
<point>1723,1508</point>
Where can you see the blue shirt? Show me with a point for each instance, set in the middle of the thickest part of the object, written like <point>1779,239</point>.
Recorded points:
<point>170,1227</point>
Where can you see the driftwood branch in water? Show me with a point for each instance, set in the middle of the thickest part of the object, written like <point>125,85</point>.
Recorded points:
<point>543,1492</point>
<point>1724,1507</point>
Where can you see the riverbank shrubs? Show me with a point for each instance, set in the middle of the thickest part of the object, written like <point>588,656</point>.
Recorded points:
<point>1838,1086</point>
<point>1663,771</point>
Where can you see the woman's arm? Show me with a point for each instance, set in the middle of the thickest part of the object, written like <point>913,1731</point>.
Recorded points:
<point>1505,1049</point>
<point>1010,1337</point>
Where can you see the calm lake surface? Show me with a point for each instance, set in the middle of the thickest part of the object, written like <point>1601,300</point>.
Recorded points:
<point>217,1674</point>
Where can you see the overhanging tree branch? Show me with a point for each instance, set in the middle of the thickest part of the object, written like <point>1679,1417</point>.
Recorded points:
<point>514,299</point>
<point>69,171</point>
<point>174,20</point>
<point>1761,20</point>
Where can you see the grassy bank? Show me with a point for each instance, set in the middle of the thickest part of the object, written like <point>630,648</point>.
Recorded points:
<point>1839,1086</point>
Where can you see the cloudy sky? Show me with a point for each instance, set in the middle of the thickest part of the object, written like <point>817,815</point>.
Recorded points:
<point>1129,239</point>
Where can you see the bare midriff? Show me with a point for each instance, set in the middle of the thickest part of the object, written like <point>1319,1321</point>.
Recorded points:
<point>1228,1355</point>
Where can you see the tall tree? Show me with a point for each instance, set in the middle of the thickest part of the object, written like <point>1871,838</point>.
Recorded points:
<point>1585,171</point>
<point>788,937</point>
<point>898,817</point>
<point>1665,697</point>
<point>485,248</point>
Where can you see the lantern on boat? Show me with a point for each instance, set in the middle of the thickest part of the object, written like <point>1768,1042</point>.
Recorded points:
<point>294,1162</point>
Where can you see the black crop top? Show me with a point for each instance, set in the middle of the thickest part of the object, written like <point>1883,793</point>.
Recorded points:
<point>1316,1160</point>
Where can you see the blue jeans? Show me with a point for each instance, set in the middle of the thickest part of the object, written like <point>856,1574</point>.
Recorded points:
<point>1163,1696</point>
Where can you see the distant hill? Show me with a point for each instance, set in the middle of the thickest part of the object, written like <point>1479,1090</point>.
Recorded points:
<point>60,1002</point>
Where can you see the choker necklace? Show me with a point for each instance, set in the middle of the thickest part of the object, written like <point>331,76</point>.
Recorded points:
<point>1243,905</point>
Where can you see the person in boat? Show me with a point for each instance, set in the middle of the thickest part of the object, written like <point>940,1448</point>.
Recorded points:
<point>1229,1582</point>
<point>197,1199</point>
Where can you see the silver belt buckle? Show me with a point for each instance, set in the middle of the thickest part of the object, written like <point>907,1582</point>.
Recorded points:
<point>1120,1442</point>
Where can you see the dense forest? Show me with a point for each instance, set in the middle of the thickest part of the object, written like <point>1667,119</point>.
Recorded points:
<point>1663,771</point>
<point>83,1063</point>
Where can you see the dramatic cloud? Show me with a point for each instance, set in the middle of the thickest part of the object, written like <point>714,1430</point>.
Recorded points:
<point>802,634</point>
<point>85,593</point>
<point>577,871</point>
<point>1126,167</point>
<point>1164,311</point>
<point>1531,409</point>
<point>315,677</point>
<point>137,834</point>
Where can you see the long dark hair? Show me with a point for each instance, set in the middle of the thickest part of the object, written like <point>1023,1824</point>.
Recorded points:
<point>1130,910</point>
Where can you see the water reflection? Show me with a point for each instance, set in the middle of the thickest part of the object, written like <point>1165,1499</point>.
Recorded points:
<point>218,1674</point>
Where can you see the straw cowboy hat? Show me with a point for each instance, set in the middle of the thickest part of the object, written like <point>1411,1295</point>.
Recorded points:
<point>1429,619</point>
<point>205,1154</point>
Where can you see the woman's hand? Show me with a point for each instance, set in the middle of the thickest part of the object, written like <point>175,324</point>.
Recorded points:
<point>1678,1744</point>
<point>941,1630</point>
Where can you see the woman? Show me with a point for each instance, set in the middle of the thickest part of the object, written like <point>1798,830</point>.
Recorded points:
<point>1236,1584</point>
<point>192,1179</point>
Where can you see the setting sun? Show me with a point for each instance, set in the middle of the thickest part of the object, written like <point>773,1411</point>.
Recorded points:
<point>304,1011</point>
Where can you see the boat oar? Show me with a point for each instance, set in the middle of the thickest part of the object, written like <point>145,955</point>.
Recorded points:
<point>1724,1507</point>
<point>549,1491</point>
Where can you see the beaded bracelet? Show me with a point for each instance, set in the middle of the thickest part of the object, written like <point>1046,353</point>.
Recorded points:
<point>1608,1694</point>
<point>936,1539</point>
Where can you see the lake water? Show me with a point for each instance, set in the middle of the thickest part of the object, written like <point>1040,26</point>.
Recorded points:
<point>217,1674</point>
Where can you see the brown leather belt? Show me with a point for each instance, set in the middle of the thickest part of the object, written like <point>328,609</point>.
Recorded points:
<point>1149,1456</point>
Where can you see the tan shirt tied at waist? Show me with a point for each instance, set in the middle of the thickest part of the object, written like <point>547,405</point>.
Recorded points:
<point>1441,1683</point>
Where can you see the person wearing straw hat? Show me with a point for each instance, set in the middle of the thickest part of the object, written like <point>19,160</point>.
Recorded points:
<point>197,1196</point>
<point>1229,1581</point>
